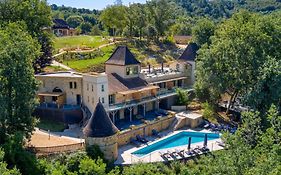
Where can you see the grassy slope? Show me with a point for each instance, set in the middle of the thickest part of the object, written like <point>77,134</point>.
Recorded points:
<point>85,65</point>
<point>145,52</point>
<point>78,42</point>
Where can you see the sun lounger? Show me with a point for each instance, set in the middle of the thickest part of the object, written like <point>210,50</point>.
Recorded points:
<point>156,133</point>
<point>135,142</point>
<point>221,144</point>
<point>180,152</point>
<point>204,149</point>
<point>141,139</point>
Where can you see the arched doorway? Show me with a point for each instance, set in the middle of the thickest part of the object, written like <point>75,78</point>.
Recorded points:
<point>58,90</point>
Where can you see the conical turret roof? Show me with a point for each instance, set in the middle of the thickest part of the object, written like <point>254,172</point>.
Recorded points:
<point>100,125</point>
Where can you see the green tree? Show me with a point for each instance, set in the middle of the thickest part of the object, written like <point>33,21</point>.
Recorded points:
<point>202,31</point>
<point>74,21</point>
<point>85,27</point>
<point>36,14</point>
<point>92,167</point>
<point>3,166</point>
<point>239,48</point>
<point>160,14</point>
<point>114,18</point>
<point>18,84</point>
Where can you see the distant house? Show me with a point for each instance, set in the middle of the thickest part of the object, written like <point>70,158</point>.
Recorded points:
<point>180,39</point>
<point>61,28</point>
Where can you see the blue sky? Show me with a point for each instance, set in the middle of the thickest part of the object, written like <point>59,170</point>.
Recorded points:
<point>91,4</point>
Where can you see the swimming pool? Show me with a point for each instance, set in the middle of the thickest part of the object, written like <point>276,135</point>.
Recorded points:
<point>178,139</point>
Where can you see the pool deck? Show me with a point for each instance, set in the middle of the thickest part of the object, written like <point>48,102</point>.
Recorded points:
<point>125,156</point>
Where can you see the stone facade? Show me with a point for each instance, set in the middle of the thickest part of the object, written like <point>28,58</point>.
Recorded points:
<point>108,146</point>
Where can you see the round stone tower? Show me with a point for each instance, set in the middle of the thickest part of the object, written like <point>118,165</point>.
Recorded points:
<point>102,132</point>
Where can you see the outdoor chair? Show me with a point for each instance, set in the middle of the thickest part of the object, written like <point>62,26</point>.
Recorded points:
<point>135,142</point>
<point>156,133</point>
<point>141,139</point>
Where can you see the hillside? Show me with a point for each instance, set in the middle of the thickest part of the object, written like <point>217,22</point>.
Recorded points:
<point>147,52</point>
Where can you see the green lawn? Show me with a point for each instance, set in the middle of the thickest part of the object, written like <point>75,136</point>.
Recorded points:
<point>78,41</point>
<point>83,65</point>
<point>50,125</point>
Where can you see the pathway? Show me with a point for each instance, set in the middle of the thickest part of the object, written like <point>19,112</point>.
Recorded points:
<point>57,64</point>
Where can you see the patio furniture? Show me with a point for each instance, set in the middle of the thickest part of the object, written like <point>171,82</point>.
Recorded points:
<point>135,142</point>
<point>141,139</point>
<point>156,133</point>
<point>180,152</point>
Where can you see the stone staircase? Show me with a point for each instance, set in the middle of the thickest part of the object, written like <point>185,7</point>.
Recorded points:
<point>177,123</point>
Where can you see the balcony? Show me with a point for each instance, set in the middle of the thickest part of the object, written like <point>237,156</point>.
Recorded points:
<point>161,94</point>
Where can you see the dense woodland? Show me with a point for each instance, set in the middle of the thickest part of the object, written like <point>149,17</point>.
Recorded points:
<point>156,18</point>
<point>239,55</point>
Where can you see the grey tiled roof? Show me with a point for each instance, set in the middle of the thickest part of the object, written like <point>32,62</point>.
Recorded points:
<point>100,125</point>
<point>118,84</point>
<point>60,24</point>
<point>122,56</point>
<point>190,52</point>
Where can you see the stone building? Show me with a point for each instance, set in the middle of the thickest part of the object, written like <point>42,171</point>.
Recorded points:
<point>102,132</point>
<point>61,28</point>
<point>127,91</point>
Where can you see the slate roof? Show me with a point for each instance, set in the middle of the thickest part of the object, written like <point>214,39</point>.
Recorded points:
<point>122,56</point>
<point>60,24</point>
<point>100,125</point>
<point>118,84</point>
<point>190,52</point>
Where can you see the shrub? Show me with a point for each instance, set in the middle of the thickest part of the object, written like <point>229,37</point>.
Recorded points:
<point>208,111</point>
<point>94,152</point>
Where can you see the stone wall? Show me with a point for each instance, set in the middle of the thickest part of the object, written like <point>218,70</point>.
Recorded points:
<point>108,146</point>
<point>145,129</point>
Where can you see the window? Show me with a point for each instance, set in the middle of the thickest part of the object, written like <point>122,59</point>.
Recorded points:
<point>87,86</point>
<point>75,85</point>
<point>178,67</point>
<point>102,100</point>
<point>136,70</point>
<point>88,99</point>
<point>102,88</point>
<point>127,71</point>
<point>111,99</point>
<point>70,85</point>
<point>132,70</point>
<point>93,100</point>
<point>92,88</point>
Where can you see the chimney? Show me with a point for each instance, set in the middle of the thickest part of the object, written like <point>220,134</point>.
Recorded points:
<point>149,67</point>
<point>162,67</point>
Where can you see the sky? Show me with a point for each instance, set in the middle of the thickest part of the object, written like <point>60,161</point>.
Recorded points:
<point>91,4</point>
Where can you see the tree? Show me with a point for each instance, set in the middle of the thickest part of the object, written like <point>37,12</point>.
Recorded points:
<point>17,81</point>
<point>74,21</point>
<point>239,48</point>
<point>3,166</point>
<point>182,97</point>
<point>92,167</point>
<point>202,31</point>
<point>36,14</point>
<point>114,18</point>
<point>267,91</point>
<point>85,27</point>
<point>160,13</point>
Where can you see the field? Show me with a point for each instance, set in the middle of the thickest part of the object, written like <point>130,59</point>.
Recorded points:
<point>85,65</point>
<point>81,41</point>
<point>147,52</point>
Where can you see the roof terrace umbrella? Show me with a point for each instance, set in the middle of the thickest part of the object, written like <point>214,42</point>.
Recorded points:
<point>189,143</point>
<point>205,140</point>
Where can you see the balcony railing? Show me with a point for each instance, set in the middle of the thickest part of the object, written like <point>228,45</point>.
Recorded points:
<point>57,106</point>
<point>162,93</point>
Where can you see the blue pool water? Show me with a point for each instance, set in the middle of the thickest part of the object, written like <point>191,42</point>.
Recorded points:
<point>176,140</point>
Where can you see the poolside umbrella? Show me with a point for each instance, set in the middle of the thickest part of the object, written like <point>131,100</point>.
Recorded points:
<point>189,143</point>
<point>205,140</point>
